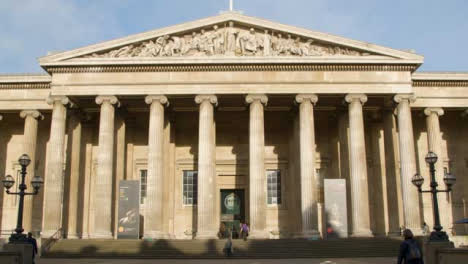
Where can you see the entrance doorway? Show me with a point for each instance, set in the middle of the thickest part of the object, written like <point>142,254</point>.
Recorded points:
<point>232,211</point>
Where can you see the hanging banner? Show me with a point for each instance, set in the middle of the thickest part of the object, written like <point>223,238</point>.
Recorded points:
<point>128,226</point>
<point>335,208</point>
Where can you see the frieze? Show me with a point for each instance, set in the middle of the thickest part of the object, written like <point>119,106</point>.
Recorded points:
<point>228,40</point>
<point>233,67</point>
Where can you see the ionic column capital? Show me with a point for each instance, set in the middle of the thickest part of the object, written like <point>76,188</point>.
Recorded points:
<point>33,113</point>
<point>58,98</point>
<point>157,99</point>
<point>300,98</point>
<point>213,99</point>
<point>107,98</point>
<point>256,97</point>
<point>437,110</point>
<point>362,98</point>
<point>410,98</point>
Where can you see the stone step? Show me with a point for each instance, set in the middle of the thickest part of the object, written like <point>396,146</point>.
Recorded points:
<point>296,248</point>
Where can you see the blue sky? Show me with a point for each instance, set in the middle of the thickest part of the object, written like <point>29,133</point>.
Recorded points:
<point>434,28</point>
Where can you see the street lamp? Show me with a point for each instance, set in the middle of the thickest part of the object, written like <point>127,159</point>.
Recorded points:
<point>449,179</point>
<point>8,182</point>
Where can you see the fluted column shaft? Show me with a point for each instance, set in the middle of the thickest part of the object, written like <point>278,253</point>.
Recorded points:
<point>357,149</point>
<point>409,193</point>
<point>206,207</point>
<point>309,211</point>
<point>434,139</point>
<point>55,158</point>
<point>257,188</point>
<point>31,118</point>
<point>103,182</point>
<point>154,193</point>
<point>74,134</point>
<point>391,148</point>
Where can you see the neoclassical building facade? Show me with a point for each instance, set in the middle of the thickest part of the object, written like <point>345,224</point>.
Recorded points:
<point>238,104</point>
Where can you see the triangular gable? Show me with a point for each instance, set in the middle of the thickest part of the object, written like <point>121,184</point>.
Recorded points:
<point>230,35</point>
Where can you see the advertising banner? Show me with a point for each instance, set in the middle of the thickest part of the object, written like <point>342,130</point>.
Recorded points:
<point>129,210</point>
<point>335,208</point>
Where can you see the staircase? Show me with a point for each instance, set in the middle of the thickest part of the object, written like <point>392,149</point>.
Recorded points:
<point>203,249</point>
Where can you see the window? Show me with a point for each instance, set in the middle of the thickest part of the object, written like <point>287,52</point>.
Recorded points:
<point>274,186</point>
<point>190,187</point>
<point>143,185</point>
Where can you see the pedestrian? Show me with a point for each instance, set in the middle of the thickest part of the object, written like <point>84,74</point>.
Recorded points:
<point>33,242</point>
<point>425,229</point>
<point>410,251</point>
<point>245,231</point>
<point>228,250</point>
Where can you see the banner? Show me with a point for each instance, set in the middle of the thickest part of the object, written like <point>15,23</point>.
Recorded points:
<point>129,210</point>
<point>335,208</point>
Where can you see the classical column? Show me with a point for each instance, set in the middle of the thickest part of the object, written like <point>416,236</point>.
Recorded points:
<point>206,207</point>
<point>309,211</point>
<point>434,139</point>
<point>31,118</point>
<point>72,190</point>
<point>103,181</point>
<point>391,168</point>
<point>55,160</point>
<point>358,164</point>
<point>257,188</point>
<point>409,193</point>
<point>153,227</point>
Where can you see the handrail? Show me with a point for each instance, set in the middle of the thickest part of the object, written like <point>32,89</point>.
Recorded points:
<point>6,232</point>
<point>49,242</point>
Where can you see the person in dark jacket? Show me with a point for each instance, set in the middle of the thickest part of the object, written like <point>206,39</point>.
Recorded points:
<point>410,251</point>
<point>33,242</point>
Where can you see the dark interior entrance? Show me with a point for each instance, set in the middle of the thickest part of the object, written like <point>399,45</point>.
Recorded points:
<point>232,212</point>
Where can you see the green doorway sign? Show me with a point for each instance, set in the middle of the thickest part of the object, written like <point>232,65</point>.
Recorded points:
<point>232,211</point>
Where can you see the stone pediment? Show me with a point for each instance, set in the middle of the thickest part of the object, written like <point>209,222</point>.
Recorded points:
<point>228,36</point>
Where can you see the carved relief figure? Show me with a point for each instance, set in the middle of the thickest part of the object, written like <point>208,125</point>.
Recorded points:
<point>229,41</point>
<point>218,40</point>
<point>248,43</point>
<point>266,44</point>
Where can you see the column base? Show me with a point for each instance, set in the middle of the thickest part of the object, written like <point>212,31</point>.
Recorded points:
<point>259,234</point>
<point>155,235</point>
<point>310,234</point>
<point>101,235</point>
<point>73,236</point>
<point>394,234</point>
<point>207,235</point>
<point>362,233</point>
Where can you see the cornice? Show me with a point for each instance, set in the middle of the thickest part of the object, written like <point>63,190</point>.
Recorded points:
<point>440,83</point>
<point>13,86</point>
<point>232,67</point>
<point>440,79</point>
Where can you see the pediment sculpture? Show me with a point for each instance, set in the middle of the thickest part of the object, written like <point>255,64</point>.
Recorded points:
<point>229,41</point>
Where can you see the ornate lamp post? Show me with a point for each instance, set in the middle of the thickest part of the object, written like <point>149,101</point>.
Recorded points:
<point>8,182</point>
<point>449,179</point>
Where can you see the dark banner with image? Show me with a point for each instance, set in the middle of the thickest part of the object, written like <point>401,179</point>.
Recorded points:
<point>129,210</point>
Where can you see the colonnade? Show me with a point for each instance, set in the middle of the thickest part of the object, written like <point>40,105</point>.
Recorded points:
<point>206,164</point>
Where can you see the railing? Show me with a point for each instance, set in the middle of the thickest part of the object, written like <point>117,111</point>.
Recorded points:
<point>49,242</point>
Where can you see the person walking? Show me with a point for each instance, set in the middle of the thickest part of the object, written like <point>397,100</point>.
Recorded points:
<point>425,229</point>
<point>245,231</point>
<point>228,246</point>
<point>33,242</point>
<point>410,251</point>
